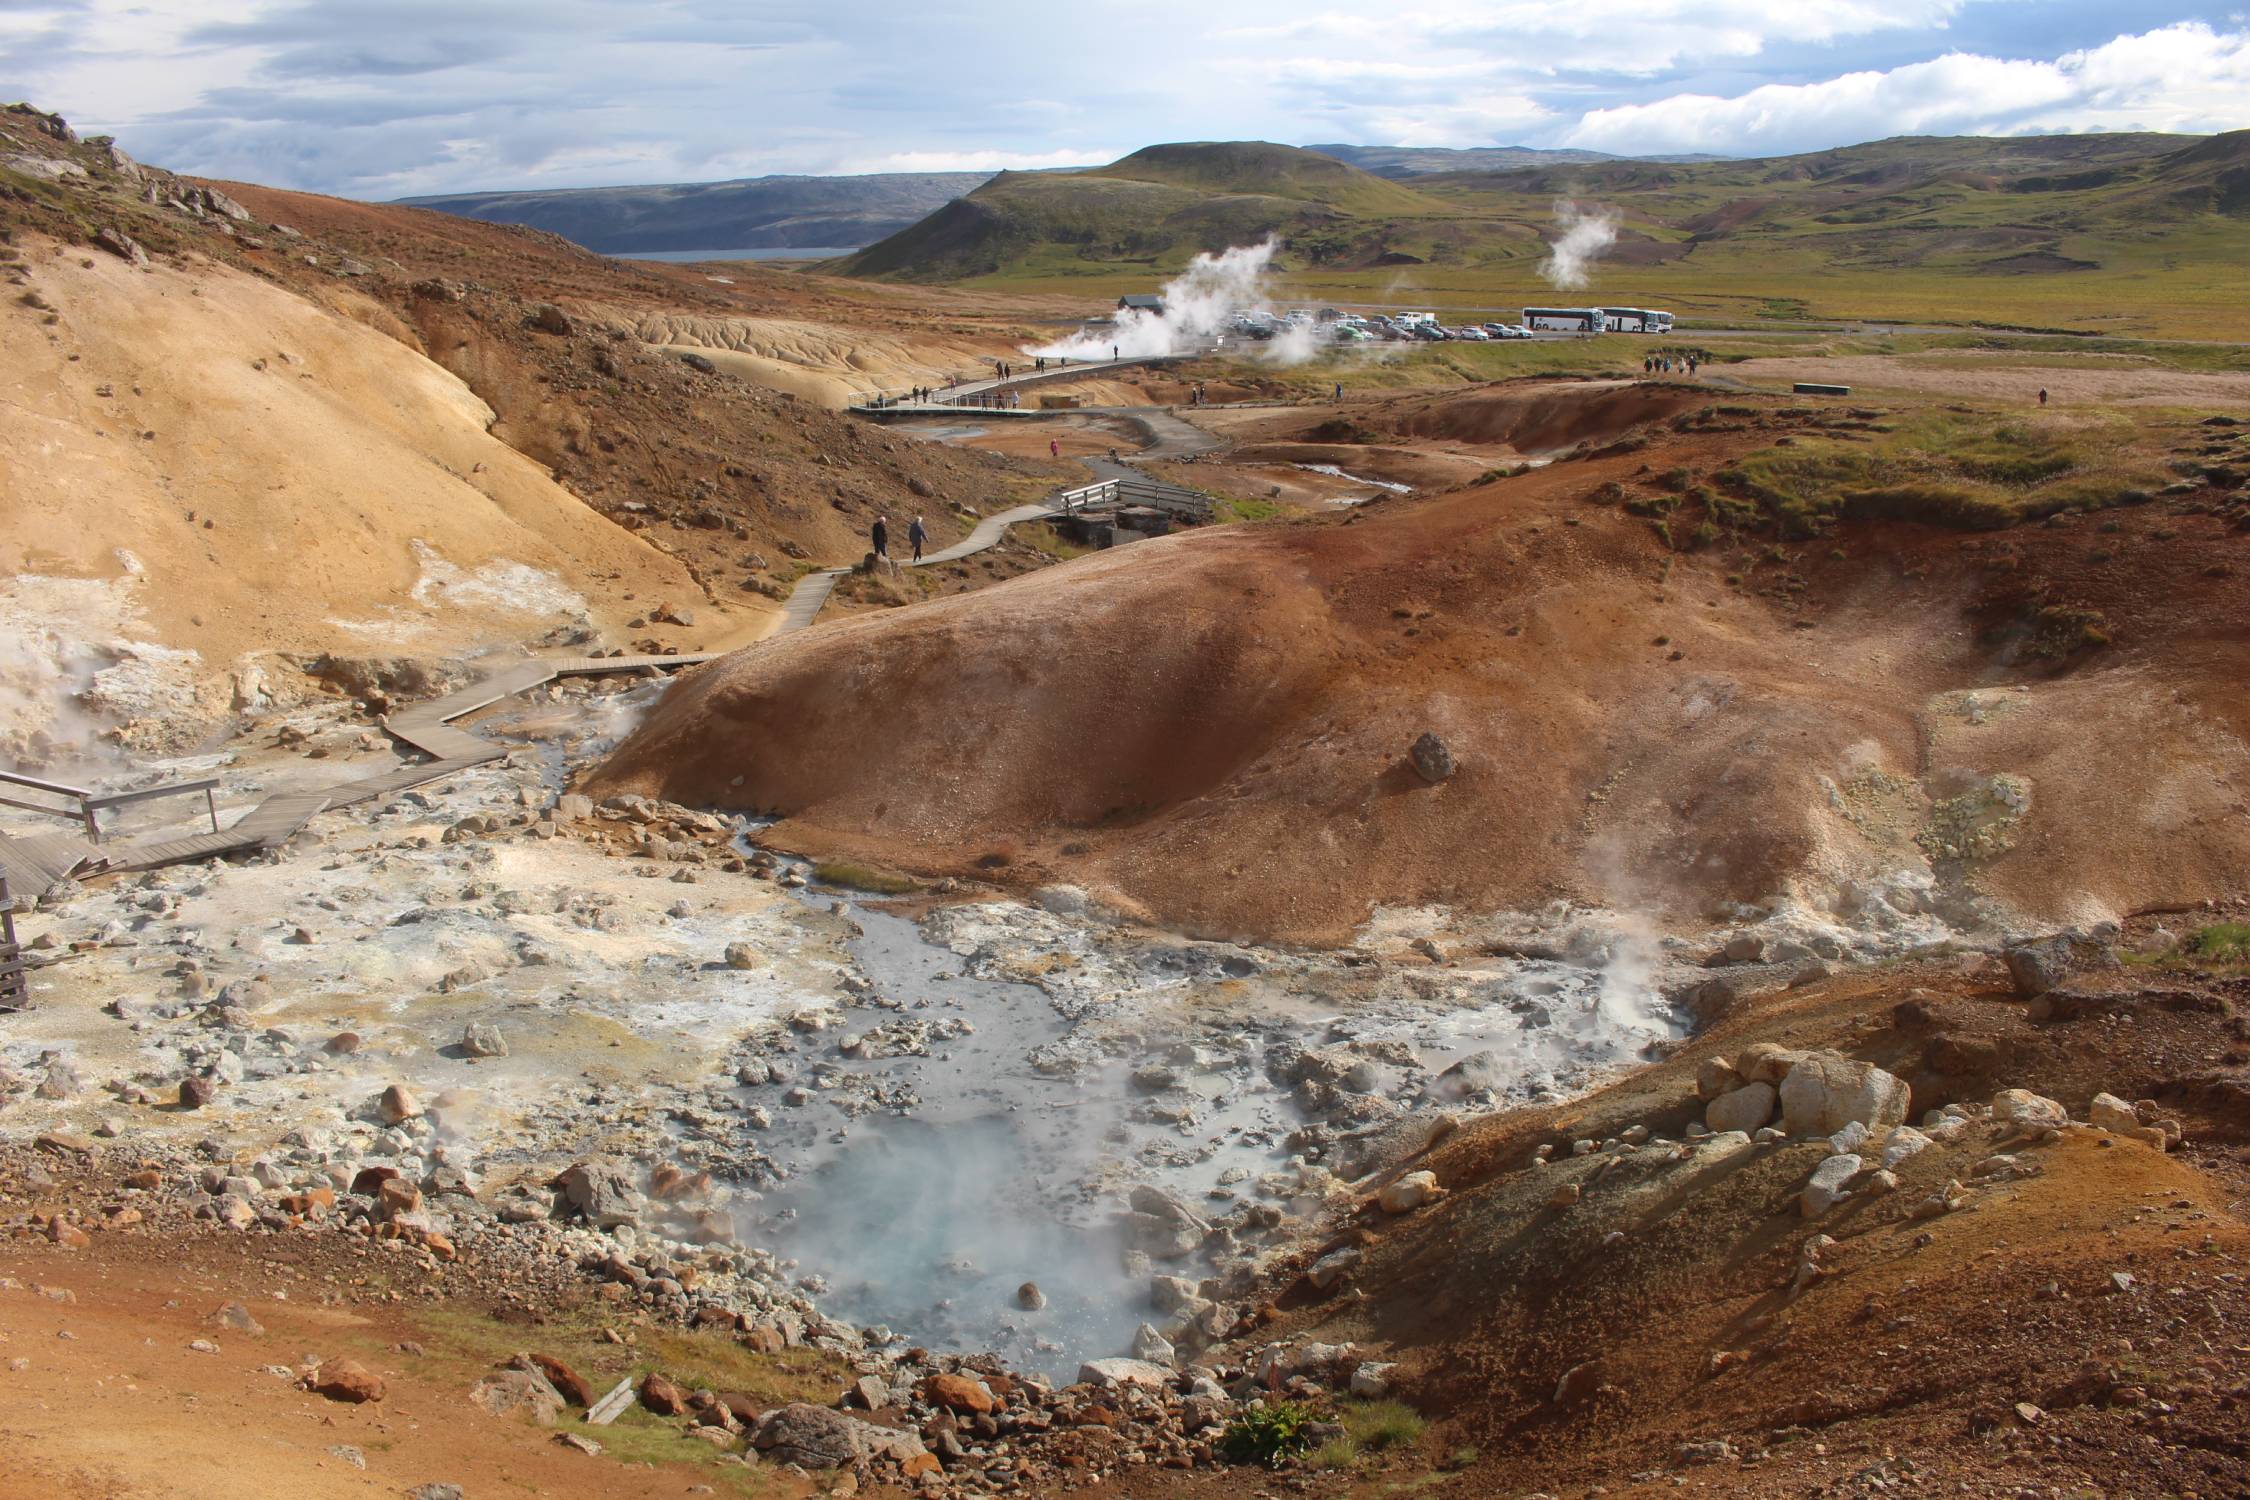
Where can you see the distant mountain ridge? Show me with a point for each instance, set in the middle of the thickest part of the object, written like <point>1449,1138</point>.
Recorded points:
<point>779,213</point>
<point>1414,161</point>
<point>1947,206</point>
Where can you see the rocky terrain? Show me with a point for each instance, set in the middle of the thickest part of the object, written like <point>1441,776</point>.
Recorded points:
<point>1619,936</point>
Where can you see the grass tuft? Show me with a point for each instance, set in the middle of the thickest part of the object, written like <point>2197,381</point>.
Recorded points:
<point>859,877</point>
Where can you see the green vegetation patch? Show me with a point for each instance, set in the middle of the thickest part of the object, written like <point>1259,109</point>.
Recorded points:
<point>1976,471</point>
<point>2222,943</point>
<point>1271,1434</point>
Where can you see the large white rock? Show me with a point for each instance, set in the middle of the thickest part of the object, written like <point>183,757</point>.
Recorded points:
<point>1744,1109</point>
<point>2113,1114</point>
<point>1410,1192</point>
<point>1124,1372</point>
<point>2023,1107</point>
<point>1827,1187</point>
<point>1902,1143</point>
<point>1766,1062</point>
<point>1824,1092</point>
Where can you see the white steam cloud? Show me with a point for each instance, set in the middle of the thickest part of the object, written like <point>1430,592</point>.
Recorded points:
<point>1200,304</point>
<point>1586,233</point>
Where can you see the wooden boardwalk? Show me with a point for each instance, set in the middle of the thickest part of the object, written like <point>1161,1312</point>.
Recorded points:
<point>33,864</point>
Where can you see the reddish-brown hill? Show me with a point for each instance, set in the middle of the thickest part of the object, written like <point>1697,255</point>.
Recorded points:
<point>1212,728</point>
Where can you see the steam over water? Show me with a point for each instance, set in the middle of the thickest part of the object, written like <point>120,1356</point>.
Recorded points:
<point>1004,1156</point>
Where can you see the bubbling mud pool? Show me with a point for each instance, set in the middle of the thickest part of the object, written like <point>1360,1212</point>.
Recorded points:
<point>920,1192</point>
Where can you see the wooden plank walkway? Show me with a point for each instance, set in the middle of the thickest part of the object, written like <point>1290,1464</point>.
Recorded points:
<point>32,862</point>
<point>424,726</point>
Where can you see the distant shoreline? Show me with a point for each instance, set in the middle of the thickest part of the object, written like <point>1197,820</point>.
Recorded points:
<point>759,252</point>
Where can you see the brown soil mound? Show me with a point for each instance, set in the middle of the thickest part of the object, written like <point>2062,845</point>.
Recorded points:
<point>1212,727</point>
<point>1674,1285</point>
<point>1539,417</point>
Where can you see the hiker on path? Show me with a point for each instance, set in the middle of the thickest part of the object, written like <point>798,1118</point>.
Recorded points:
<point>1339,390</point>
<point>2042,395</point>
<point>1116,353</point>
<point>916,536</point>
<point>880,535</point>
<point>1054,447</point>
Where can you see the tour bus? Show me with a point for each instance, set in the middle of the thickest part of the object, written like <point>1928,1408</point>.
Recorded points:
<point>1564,320</point>
<point>1636,320</point>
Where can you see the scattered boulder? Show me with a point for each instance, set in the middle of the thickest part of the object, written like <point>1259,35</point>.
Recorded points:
<point>1827,1188</point>
<point>1825,1092</point>
<point>602,1192</point>
<point>1715,1077</point>
<point>1578,1383</point>
<point>398,1104</point>
<point>1410,1192</point>
<point>661,1396</point>
<point>512,1392</point>
<point>1372,1380</point>
<point>815,1437</point>
<point>345,1380</point>
<point>2023,1107</point>
<point>1744,1109</point>
<point>483,1039</point>
<point>742,956</point>
<point>197,1091</point>
<point>548,318</point>
<point>1124,1372</point>
<point>959,1393</point>
<point>1432,758</point>
<point>121,245</point>
<point>2038,967</point>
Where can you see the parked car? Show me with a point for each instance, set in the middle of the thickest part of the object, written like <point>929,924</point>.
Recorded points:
<point>1507,330</point>
<point>1428,333</point>
<point>1472,333</point>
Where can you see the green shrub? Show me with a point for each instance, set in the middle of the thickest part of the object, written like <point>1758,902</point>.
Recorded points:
<point>1271,1434</point>
<point>1376,1425</point>
<point>2222,942</point>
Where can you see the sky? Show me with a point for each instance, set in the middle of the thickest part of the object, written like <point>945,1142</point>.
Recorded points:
<point>400,97</point>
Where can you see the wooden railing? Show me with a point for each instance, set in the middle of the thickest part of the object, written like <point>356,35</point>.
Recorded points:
<point>91,804</point>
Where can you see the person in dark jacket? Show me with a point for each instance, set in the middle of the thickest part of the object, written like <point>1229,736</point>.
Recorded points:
<point>880,535</point>
<point>916,536</point>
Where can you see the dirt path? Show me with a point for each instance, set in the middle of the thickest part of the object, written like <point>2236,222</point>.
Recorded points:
<point>2108,380</point>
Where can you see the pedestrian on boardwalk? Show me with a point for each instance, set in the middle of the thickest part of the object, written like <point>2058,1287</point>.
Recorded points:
<point>916,536</point>
<point>880,535</point>
<point>1116,353</point>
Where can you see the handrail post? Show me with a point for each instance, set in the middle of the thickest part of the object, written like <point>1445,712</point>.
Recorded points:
<point>93,821</point>
<point>212,802</point>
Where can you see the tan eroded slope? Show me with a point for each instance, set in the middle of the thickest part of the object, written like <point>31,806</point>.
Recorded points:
<point>247,472</point>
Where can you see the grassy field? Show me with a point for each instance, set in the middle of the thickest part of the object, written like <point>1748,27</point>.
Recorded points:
<point>2132,236</point>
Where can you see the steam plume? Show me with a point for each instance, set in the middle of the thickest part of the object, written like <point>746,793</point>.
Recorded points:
<point>1199,303</point>
<point>1586,233</point>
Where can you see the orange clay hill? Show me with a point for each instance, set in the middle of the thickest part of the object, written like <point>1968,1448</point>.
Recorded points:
<point>1664,685</point>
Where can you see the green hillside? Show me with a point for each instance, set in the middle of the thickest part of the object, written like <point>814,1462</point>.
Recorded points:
<point>2120,233</point>
<point>1157,207</point>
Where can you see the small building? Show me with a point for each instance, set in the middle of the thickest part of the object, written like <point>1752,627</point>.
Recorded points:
<point>1141,302</point>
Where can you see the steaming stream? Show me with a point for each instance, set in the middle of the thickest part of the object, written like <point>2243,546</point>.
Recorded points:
<point>992,1163</point>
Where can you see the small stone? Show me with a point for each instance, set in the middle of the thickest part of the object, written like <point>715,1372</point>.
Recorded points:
<point>482,1039</point>
<point>237,1317</point>
<point>346,1380</point>
<point>1410,1192</point>
<point>1433,759</point>
<point>1826,1189</point>
<point>959,1393</point>
<point>662,1397</point>
<point>398,1104</point>
<point>1565,1195</point>
<point>742,956</point>
<point>1030,1298</point>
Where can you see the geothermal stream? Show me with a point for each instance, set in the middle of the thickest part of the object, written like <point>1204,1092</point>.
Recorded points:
<point>1002,1157</point>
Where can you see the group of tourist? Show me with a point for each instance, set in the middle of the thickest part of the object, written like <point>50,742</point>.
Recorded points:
<point>1666,364</point>
<point>880,535</point>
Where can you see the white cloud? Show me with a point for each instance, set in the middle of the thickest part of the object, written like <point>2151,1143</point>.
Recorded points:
<point>982,161</point>
<point>2185,77</point>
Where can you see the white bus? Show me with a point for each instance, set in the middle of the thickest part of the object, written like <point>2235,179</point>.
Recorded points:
<point>1564,319</point>
<point>1636,320</point>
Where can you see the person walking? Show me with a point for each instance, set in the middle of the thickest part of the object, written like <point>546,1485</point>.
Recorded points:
<point>2042,395</point>
<point>1054,447</point>
<point>915,537</point>
<point>1339,390</point>
<point>880,535</point>
<point>1116,353</point>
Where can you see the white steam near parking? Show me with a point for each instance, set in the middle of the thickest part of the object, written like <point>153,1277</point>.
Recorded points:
<point>1585,234</point>
<point>1200,304</point>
